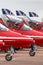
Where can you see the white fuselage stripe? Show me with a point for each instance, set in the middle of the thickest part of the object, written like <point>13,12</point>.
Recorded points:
<point>35,36</point>
<point>2,37</point>
<point>28,37</point>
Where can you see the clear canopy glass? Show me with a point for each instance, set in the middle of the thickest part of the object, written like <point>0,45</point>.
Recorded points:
<point>2,27</point>
<point>25,27</point>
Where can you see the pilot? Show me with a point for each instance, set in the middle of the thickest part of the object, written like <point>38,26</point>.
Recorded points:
<point>9,24</point>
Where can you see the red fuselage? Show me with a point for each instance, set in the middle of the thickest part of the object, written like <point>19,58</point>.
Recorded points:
<point>16,42</point>
<point>37,36</point>
<point>9,38</point>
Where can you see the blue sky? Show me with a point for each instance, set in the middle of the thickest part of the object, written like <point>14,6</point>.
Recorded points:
<point>25,5</point>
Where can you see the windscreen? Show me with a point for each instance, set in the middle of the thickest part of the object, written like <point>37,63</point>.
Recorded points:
<point>25,27</point>
<point>2,27</point>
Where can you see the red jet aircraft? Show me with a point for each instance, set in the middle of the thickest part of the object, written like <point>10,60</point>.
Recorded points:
<point>10,39</point>
<point>21,27</point>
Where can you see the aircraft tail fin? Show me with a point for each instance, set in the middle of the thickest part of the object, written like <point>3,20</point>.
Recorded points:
<point>33,14</point>
<point>6,11</point>
<point>20,13</point>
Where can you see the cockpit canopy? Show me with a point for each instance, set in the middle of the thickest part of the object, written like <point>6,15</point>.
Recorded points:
<point>25,27</point>
<point>14,22</point>
<point>10,20</point>
<point>3,28</point>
